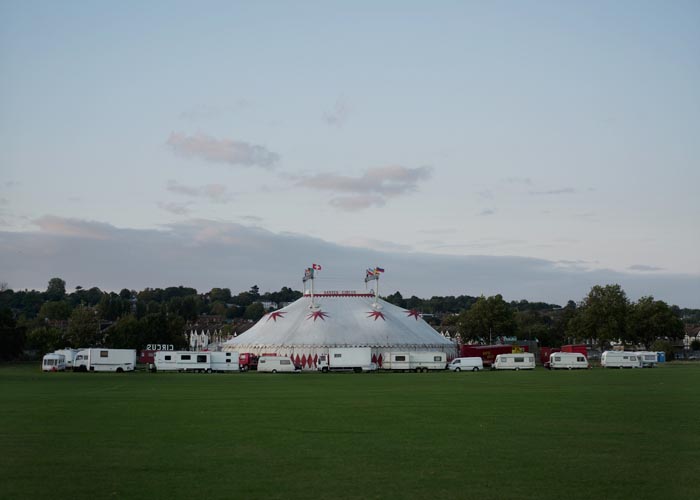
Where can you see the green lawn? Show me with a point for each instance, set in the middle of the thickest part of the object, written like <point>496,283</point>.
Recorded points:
<point>583,434</point>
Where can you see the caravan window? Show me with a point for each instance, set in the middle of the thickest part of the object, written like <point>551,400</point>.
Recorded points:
<point>228,360</point>
<point>285,362</point>
<point>580,358</point>
<point>201,358</point>
<point>168,358</point>
<point>519,360</point>
<point>399,358</point>
<point>185,357</point>
<point>437,358</point>
<point>337,355</point>
<point>557,358</point>
<point>104,354</point>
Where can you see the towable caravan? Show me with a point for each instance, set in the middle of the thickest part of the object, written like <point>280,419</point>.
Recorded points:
<point>69,354</point>
<point>472,364</point>
<point>105,360</point>
<point>182,361</point>
<point>274,364</point>
<point>620,359</point>
<point>224,361</point>
<point>53,363</point>
<point>417,361</point>
<point>567,361</point>
<point>648,359</point>
<point>357,359</point>
<point>519,361</point>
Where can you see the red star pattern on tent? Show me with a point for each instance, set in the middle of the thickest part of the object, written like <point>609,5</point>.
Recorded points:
<point>317,314</point>
<point>275,315</point>
<point>376,315</point>
<point>413,313</point>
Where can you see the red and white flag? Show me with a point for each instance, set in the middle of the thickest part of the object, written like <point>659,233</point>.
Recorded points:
<point>317,267</point>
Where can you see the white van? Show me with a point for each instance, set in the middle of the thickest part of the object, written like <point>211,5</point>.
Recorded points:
<point>53,363</point>
<point>620,359</point>
<point>567,361</point>
<point>517,361</point>
<point>473,364</point>
<point>648,359</point>
<point>274,364</point>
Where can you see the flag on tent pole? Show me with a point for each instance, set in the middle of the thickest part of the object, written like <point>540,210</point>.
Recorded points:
<point>378,270</point>
<point>316,267</point>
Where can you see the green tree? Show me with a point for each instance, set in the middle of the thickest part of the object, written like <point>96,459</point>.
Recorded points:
<point>160,328</point>
<point>220,295</point>
<point>651,319</point>
<point>602,316</point>
<point>55,310</point>
<point>56,289</point>
<point>46,339</point>
<point>124,334</point>
<point>12,337</point>
<point>487,318</point>
<point>84,327</point>
<point>254,311</point>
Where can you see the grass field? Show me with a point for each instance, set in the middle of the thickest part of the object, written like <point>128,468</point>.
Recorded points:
<point>584,434</point>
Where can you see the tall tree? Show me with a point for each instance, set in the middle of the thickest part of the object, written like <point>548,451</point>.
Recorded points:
<point>487,318</point>
<point>56,289</point>
<point>84,327</point>
<point>651,319</point>
<point>602,316</point>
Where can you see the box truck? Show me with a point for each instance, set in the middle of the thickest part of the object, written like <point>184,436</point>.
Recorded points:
<point>473,364</point>
<point>357,359</point>
<point>275,364</point>
<point>567,361</point>
<point>520,361</point>
<point>620,359</point>
<point>418,361</point>
<point>105,360</point>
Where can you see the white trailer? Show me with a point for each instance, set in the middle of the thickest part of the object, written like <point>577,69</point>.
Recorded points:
<point>418,361</point>
<point>648,359</point>
<point>224,361</point>
<point>69,354</point>
<point>567,361</point>
<point>357,359</point>
<point>53,363</point>
<point>105,360</point>
<point>620,359</point>
<point>275,364</point>
<point>183,361</point>
<point>516,361</point>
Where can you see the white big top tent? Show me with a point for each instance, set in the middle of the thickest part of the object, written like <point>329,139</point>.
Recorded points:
<point>310,326</point>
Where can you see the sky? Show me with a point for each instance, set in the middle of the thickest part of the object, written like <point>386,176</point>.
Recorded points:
<point>528,148</point>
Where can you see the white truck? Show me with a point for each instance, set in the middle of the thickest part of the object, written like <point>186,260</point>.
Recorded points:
<point>472,364</point>
<point>53,363</point>
<point>357,359</point>
<point>275,364</point>
<point>418,361</point>
<point>567,361</point>
<point>620,359</point>
<point>105,360</point>
<point>515,361</point>
<point>183,361</point>
<point>647,358</point>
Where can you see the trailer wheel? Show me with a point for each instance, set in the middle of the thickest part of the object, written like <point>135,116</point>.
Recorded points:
<point>119,370</point>
<point>458,369</point>
<point>208,370</point>
<point>475,369</point>
<point>517,368</point>
<point>274,371</point>
<point>324,369</point>
<point>569,368</point>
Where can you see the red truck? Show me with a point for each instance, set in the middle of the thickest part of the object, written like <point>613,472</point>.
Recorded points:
<point>488,353</point>
<point>247,362</point>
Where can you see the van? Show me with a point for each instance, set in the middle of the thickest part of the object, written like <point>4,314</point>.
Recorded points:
<point>473,364</point>
<point>567,361</point>
<point>519,361</point>
<point>620,359</point>
<point>53,363</point>
<point>274,364</point>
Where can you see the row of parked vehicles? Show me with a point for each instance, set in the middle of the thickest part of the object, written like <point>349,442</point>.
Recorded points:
<point>357,359</point>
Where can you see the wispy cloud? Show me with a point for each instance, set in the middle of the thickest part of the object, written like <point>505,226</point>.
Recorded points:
<point>517,180</point>
<point>373,188</point>
<point>338,115</point>
<point>216,193</point>
<point>565,190</point>
<point>487,211</point>
<point>222,150</point>
<point>644,268</point>
<point>176,208</point>
<point>75,227</point>
<point>374,244</point>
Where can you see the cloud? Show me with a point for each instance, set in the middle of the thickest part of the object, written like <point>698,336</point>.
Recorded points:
<point>371,243</point>
<point>237,256</point>
<point>488,211</point>
<point>517,180</point>
<point>222,150</point>
<point>176,208</point>
<point>4,201</point>
<point>337,116</point>
<point>565,190</point>
<point>373,188</point>
<point>644,268</point>
<point>216,193</point>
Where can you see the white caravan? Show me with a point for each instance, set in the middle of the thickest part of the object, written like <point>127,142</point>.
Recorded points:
<point>69,354</point>
<point>53,363</point>
<point>183,361</point>
<point>620,359</point>
<point>105,360</point>
<point>415,361</point>
<point>517,361</point>
<point>472,364</point>
<point>357,359</point>
<point>274,364</point>
<point>647,358</point>
<point>567,361</point>
<point>224,361</point>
